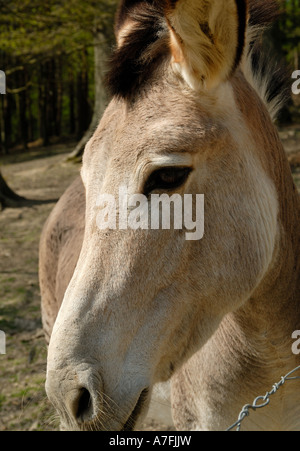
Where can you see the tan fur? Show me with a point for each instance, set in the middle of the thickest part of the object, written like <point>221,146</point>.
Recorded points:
<point>143,307</point>
<point>207,51</point>
<point>60,247</point>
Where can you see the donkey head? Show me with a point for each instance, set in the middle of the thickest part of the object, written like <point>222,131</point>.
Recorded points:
<point>142,301</point>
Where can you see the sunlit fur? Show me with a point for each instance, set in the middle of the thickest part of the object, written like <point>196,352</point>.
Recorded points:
<point>137,308</point>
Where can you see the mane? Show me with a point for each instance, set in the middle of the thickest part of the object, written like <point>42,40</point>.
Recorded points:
<point>268,76</point>
<point>146,47</point>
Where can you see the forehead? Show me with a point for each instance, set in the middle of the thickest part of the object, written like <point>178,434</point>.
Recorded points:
<point>163,117</point>
<point>164,126</point>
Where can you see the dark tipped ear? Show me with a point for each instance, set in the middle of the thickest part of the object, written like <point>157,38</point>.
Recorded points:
<point>142,44</point>
<point>207,39</point>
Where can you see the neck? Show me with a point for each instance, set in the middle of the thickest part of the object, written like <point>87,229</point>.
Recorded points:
<point>265,323</point>
<point>252,348</point>
<point>278,295</point>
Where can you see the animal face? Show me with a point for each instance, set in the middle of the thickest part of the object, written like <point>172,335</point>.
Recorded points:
<point>143,300</point>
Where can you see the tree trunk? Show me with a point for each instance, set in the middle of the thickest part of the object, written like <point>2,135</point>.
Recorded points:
<point>7,129</point>
<point>83,113</point>
<point>23,123</point>
<point>72,105</point>
<point>100,56</point>
<point>59,93</point>
<point>8,198</point>
<point>44,102</point>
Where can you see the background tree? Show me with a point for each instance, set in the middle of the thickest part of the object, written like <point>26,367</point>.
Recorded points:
<point>285,34</point>
<point>7,197</point>
<point>54,56</point>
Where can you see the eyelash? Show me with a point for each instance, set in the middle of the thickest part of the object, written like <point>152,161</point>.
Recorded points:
<point>177,177</point>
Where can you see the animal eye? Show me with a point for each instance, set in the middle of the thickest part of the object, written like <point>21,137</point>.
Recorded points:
<point>167,179</point>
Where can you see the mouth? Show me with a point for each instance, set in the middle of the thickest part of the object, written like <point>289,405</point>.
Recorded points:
<point>132,420</point>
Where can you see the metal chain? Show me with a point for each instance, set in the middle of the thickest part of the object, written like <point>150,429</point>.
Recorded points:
<point>262,401</point>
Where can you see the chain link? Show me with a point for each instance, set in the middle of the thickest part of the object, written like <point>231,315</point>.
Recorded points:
<point>262,401</point>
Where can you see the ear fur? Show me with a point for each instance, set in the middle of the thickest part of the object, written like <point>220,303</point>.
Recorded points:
<point>207,39</point>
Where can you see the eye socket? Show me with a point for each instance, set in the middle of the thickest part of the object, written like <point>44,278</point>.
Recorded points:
<point>168,178</point>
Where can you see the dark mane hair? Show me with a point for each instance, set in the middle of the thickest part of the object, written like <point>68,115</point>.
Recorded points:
<point>263,12</point>
<point>143,48</point>
<point>268,76</point>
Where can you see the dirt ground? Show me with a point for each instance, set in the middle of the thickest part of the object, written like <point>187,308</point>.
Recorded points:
<point>41,175</point>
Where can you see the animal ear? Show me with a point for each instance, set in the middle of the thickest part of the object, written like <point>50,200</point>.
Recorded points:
<point>207,39</point>
<point>124,21</point>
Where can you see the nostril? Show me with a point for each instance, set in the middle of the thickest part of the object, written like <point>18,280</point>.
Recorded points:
<point>84,409</point>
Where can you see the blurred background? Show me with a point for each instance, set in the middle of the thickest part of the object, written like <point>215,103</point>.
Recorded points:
<point>53,53</point>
